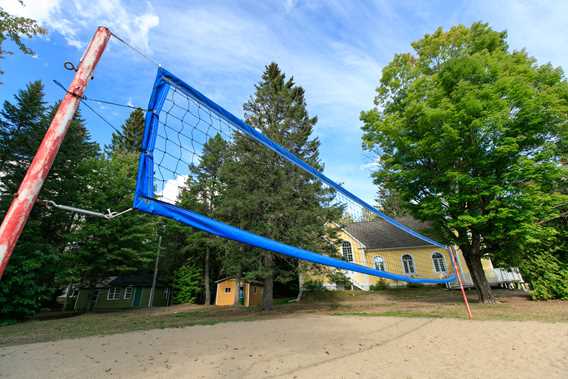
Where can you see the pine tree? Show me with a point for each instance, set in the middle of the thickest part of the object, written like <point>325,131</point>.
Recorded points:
<point>202,193</point>
<point>130,137</point>
<point>99,247</point>
<point>267,195</point>
<point>30,280</point>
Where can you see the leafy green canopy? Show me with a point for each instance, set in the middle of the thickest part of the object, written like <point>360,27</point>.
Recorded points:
<point>470,135</point>
<point>98,247</point>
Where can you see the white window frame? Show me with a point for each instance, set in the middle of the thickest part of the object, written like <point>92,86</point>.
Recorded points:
<point>347,256</point>
<point>116,293</point>
<point>441,261</point>
<point>375,258</point>
<point>128,291</point>
<point>404,265</point>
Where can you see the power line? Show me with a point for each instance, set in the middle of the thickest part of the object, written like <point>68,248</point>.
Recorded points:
<point>108,102</point>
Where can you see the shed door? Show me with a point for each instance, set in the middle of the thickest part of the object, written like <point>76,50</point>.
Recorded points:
<point>137,296</point>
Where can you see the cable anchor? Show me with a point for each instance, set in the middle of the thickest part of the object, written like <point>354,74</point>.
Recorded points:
<point>109,215</point>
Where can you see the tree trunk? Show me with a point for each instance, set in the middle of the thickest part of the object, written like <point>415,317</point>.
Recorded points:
<point>268,282</point>
<point>206,278</point>
<point>472,257</point>
<point>237,288</point>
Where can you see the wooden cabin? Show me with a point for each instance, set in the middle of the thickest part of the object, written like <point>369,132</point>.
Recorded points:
<point>250,292</point>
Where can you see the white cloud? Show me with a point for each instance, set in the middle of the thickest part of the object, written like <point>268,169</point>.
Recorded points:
<point>537,26</point>
<point>76,20</point>
<point>172,189</point>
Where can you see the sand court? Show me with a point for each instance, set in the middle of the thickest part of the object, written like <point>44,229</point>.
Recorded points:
<point>307,346</point>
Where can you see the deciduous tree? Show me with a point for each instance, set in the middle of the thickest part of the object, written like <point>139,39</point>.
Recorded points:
<point>469,134</point>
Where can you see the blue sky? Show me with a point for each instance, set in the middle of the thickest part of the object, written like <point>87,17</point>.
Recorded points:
<point>334,49</point>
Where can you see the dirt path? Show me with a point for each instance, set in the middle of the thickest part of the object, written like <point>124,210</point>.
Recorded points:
<point>307,347</point>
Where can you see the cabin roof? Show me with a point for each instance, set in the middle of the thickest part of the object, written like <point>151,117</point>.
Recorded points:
<point>257,282</point>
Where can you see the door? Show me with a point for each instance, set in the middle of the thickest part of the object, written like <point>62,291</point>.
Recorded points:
<point>137,297</point>
<point>241,295</point>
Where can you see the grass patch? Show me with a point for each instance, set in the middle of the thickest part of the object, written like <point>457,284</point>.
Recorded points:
<point>430,302</point>
<point>112,323</point>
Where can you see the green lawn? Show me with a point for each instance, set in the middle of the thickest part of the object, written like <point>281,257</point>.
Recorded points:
<point>414,302</point>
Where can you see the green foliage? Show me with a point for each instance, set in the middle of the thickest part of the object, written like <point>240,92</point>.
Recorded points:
<point>129,139</point>
<point>379,286</point>
<point>14,28</point>
<point>469,135</point>
<point>286,204</point>
<point>188,283</point>
<point>314,286</point>
<point>547,276</point>
<point>339,278</point>
<point>30,280</point>
<point>99,247</point>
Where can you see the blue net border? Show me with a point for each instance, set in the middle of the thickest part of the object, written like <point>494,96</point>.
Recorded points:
<point>144,199</point>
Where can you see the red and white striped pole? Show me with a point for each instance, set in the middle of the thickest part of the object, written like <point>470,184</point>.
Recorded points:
<point>460,281</point>
<point>27,194</point>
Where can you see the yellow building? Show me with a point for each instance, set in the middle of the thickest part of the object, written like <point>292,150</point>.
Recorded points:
<point>380,245</point>
<point>250,292</point>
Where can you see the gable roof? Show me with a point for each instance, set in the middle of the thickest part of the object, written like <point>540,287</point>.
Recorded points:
<point>137,280</point>
<point>140,279</point>
<point>257,282</point>
<point>379,234</point>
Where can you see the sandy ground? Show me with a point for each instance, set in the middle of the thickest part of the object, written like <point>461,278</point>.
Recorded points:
<point>307,346</point>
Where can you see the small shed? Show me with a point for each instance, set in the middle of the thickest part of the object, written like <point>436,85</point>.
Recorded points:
<point>119,292</point>
<point>250,292</point>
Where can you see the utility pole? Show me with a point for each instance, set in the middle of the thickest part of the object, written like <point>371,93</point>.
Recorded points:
<point>153,289</point>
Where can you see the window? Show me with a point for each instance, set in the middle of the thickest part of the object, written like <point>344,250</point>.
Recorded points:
<point>439,262</point>
<point>113,293</point>
<point>379,263</point>
<point>227,289</point>
<point>408,264</point>
<point>128,293</point>
<point>166,293</point>
<point>347,251</point>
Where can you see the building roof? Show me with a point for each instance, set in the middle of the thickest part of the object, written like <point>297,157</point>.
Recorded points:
<point>379,234</point>
<point>257,282</point>
<point>135,280</point>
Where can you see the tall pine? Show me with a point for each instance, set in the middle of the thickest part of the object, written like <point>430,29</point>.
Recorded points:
<point>130,137</point>
<point>128,243</point>
<point>203,193</point>
<point>266,194</point>
<point>31,278</point>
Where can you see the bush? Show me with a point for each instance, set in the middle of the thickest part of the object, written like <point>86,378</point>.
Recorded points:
<point>379,286</point>
<point>187,284</point>
<point>547,276</point>
<point>314,286</point>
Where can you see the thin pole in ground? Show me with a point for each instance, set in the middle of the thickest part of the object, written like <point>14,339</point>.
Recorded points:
<point>460,281</point>
<point>155,278</point>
